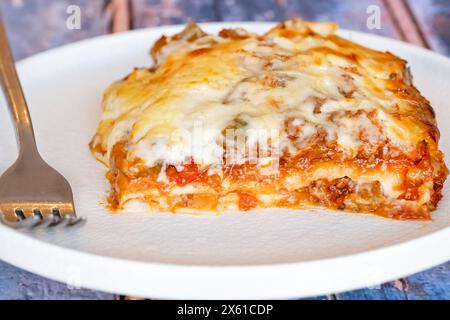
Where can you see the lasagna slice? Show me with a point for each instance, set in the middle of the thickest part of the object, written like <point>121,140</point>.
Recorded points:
<point>296,118</point>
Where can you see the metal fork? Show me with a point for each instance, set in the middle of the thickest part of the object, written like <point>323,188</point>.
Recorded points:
<point>31,192</point>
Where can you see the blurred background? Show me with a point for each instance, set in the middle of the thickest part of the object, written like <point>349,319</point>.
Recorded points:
<point>37,25</point>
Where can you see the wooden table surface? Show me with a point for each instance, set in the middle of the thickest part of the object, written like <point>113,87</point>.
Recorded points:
<point>38,25</point>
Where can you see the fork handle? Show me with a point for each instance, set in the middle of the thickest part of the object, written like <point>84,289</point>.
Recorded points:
<point>15,97</point>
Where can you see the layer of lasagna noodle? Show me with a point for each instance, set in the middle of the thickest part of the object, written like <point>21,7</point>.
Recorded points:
<point>354,134</point>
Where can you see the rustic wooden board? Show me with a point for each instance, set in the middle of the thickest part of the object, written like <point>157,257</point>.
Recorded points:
<point>148,13</point>
<point>37,25</point>
<point>405,22</point>
<point>19,284</point>
<point>388,291</point>
<point>433,284</point>
<point>348,13</point>
<point>433,17</point>
<point>430,285</point>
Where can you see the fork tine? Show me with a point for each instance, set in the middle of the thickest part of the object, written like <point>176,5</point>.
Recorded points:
<point>52,221</point>
<point>61,222</point>
<point>8,214</point>
<point>28,212</point>
<point>66,210</point>
<point>45,211</point>
<point>21,224</point>
<point>47,222</point>
<point>67,221</point>
<point>3,219</point>
<point>77,221</point>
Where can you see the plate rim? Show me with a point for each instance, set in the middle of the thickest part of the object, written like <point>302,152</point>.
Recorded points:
<point>398,253</point>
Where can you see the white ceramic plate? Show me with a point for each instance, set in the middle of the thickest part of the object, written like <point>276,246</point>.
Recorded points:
<point>270,254</point>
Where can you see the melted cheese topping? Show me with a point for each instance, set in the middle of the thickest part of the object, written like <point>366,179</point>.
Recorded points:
<point>299,80</point>
<point>298,71</point>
